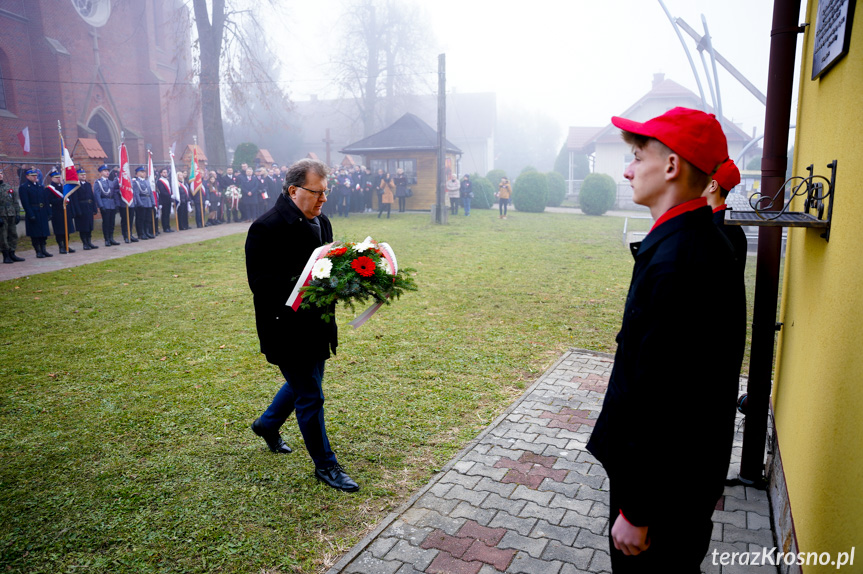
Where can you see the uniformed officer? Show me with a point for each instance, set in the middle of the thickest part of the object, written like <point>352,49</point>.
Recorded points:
<point>85,209</point>
<point>37,210</point>
<point>144,204</point>
<point>10,215</point>
<point>106,205</point>
<point>61,208</point>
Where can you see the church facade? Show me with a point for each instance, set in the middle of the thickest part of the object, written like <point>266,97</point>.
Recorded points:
<point>106,70</point>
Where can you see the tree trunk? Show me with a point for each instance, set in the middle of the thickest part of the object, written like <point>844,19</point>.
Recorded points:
<point>210,39</point>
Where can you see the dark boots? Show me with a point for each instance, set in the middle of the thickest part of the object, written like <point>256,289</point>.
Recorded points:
<point>87,238</point>
<point>13,257</point>
<point>6,258</point>
<point>61,241</point>
<point>39,247</point>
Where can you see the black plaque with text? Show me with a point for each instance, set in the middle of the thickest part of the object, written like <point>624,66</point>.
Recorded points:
<point>832,34</point>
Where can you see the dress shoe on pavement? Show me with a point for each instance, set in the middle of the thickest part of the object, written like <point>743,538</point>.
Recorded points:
<point>337,478</point>
<point>273,439</point>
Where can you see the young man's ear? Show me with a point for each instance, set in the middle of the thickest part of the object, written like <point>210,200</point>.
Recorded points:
<point>673,167</point>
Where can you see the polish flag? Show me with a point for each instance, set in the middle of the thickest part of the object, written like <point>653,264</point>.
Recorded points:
<point>125,176</point>
<point>24,139</point>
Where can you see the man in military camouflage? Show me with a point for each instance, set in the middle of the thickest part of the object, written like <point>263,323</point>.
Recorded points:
<point>10,215</point>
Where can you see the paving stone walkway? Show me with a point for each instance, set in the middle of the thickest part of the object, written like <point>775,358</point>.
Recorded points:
<point>526,497</point>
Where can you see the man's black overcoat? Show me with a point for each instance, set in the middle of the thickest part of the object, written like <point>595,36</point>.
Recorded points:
<point>277,247</point>
<point>666,427</point>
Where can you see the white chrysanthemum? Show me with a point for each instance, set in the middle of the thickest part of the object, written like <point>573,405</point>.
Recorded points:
<point>322,268</point>
<point>367,243</point>
<point>385,265</point>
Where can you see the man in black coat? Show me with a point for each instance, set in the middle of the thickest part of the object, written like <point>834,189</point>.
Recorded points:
<point>665,431</point>
<point>61,208</point>
<point>85,209</point>
<point>277,247</point>
<point>724,180</point>
<point>166,199</point>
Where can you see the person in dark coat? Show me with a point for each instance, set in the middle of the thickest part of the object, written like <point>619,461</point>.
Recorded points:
<point>249,201</point>
<point>145,204</point>
<point>724,180</point>
<point>401,189</point>
<point>105,202</point>
<point>665,431</point>
<point>185,202</point>
<point>37,209</point>
<point>277,247</point>
<point>163,188</point>
<point>466,192</point>
<point>85,209</point>
<point>10,215</point>
<point>59,213</point>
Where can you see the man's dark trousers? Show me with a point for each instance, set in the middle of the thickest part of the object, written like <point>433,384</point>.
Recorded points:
<point>302,392</point>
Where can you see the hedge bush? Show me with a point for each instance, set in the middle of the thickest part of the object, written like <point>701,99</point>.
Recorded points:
<point>483,192</point>
<point>246,152</point>
<point>556,189</point>
<point>597,194</point>
<point>494,176</point>
<point>530,192</point>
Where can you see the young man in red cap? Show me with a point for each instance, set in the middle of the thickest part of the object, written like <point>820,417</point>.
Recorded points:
<point>665,431</point>
<point>726,177</point>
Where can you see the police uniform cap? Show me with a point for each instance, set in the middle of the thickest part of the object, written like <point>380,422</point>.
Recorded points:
<point>104,167</point>
<point>140,168</point>
<point>54,173</point>
<point>31,172</point>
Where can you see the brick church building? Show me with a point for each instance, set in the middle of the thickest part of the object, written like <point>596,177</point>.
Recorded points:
<point>103,68</point>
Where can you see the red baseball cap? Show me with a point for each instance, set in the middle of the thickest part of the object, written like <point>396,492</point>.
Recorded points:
<point>727,176</point>
<point>692,134</point>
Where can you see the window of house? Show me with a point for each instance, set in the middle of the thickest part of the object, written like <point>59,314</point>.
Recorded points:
<point>392,165</point>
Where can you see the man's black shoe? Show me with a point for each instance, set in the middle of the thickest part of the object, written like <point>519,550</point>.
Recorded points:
<point>274,440</point>
<point>337,478</point>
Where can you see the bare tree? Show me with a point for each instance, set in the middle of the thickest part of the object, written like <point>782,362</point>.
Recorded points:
<point>226,55</point>
<point>383,54</point>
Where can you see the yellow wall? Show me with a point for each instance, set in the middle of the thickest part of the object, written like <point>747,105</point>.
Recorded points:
<point>818,392</point>
<point>424,189</point>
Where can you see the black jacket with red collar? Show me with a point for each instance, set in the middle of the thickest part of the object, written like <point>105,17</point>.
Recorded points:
<point>667,423</point>
<point>277,247</point>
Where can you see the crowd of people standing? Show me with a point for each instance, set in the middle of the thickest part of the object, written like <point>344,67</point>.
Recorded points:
<point>223,197</point>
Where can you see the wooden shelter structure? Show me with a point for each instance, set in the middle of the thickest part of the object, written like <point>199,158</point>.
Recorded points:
<point>410,144</point>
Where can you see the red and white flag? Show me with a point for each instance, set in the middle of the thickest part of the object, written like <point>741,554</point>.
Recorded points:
<point>24,139</point>
<point>151,176</point>
<point>125,176</point>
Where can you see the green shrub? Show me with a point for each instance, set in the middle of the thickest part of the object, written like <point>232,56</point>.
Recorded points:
<point>597,194</point>
<point>494,176</point>
<point>556,189</point>
<point>483,192</point>
<point>246,153</point>
<point>528,169</point>
<point>530,192</point>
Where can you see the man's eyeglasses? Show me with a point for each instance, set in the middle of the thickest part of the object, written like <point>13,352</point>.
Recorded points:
<point>317,192</point>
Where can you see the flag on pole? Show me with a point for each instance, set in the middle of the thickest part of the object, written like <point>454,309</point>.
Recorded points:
<point>175,187</point>
<point>125,176</point>
<point>70,173</point>
<point>151,176</point>
<point>195,176</point>
<point>24,139</point>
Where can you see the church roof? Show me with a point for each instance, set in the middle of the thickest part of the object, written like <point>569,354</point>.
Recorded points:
<point>408,133</point>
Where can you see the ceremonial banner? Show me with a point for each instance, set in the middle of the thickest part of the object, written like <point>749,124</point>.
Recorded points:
<point>24,139</point>
<point>175,187</point>
<point>69,173</point>
<point>195,176</point>
<point>151,177</point>
<point>125,176</point>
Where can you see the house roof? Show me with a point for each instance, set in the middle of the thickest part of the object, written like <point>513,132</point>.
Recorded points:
<point>265,156</point>
<point>581,139</point>
<point>675,95</point>
<point>91,148</point>
<point>190,150</point>
<point>408,133</point>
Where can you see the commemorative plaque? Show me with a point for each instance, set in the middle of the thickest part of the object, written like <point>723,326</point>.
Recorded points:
<point>832,34</point>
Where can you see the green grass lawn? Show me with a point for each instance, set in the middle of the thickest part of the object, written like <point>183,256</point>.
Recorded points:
<point>127,389</point>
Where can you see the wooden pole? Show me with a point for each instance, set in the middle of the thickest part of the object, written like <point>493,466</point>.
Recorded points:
<point>201,198</point>
<point>66,225</point>
<point>128,223</point>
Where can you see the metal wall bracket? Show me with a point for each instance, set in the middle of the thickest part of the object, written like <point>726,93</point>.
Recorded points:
<point>764,214</point>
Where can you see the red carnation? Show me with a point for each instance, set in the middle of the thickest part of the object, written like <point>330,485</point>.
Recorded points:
<point>338,251</point>
<point>364,266</point>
